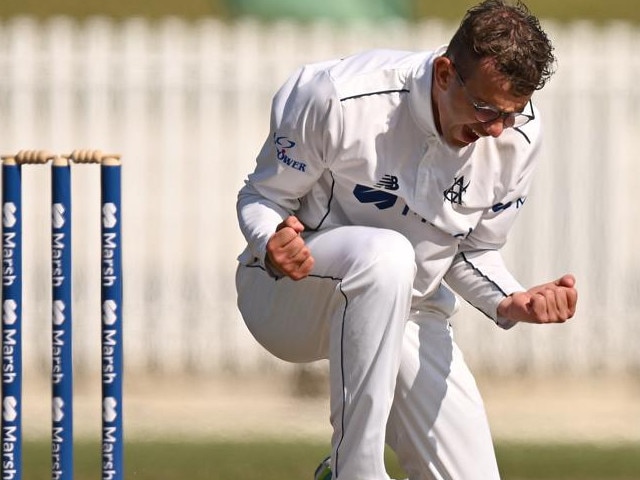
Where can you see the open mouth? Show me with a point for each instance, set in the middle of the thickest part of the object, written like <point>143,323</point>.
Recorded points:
<point>469,135</point>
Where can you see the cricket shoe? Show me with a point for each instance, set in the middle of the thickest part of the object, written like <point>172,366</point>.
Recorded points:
<point>323,472</point>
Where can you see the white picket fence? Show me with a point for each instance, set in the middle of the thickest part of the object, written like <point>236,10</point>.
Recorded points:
<point>186,104</point>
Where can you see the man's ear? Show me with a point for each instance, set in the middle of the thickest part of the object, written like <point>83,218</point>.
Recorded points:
<point>442,73</point>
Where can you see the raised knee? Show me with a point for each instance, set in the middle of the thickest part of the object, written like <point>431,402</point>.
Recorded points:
<point>389,256</point>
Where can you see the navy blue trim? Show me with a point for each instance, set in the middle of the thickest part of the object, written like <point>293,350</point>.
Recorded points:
<point>476,269</point>
<point>342,327</point>
<point>382,92</point>
<point>479,272</point>
<point>342,381</point>
<point>344,393</point>
<point>271,274</point>
<point>517,129</point>
<point>333,184</point>
<point>254,265</point>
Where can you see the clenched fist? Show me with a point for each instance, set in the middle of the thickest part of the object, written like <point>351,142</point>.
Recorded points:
<point>286,251</point>
<point>553,302</point>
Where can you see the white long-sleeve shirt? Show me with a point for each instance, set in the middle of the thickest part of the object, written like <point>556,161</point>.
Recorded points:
<point>354,142</point>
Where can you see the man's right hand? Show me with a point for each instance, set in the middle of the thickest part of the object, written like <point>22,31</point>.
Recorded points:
<point>286,251</point>
<point>552,302</point>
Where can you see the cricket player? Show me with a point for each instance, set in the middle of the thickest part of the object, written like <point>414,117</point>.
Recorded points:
<point>388,183</point>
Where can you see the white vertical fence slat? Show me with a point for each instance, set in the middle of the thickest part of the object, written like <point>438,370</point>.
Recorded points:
<point>93,116</point>
<point>187,105</point>
<point>132,127</point>
<point>619,228</point>
<point>206,290</point>
<point>172,49</point>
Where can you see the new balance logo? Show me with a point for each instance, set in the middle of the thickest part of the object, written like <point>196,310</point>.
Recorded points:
<point>388,182</point>
<point>379,198</point>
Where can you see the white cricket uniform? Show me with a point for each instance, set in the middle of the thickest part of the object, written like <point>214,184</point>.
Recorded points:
<point>391,213</point>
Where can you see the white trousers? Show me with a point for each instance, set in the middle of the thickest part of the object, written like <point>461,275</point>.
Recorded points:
<point>396,375</point>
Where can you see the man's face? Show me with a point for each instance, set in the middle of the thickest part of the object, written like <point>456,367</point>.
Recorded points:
<point>463,104</point>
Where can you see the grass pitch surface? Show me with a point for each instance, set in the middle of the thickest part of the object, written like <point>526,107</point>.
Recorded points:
<point>278,460</point>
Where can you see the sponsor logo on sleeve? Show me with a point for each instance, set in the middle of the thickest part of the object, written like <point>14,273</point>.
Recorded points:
<point>284,146</point>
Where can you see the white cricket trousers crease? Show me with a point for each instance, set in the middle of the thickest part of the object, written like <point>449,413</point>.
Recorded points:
<point>353,310</point>
<point>438,426</point>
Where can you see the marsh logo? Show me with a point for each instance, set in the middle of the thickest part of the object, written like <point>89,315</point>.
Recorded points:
<point>9,218</point>
<point>109,212</point>
<point>58,312</point>
<point>57,409</point>
<point>58,215</point>
<point>9,312</point>
<point>109,409</point>
<point>109,312</point>
<point>9,409</point>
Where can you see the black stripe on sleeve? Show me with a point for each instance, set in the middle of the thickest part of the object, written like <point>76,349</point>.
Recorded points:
<point>382,92</point>
<point>485,277</point>
<point>523,134</point>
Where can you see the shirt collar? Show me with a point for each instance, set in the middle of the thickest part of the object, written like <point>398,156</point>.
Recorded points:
<point>420,97</point>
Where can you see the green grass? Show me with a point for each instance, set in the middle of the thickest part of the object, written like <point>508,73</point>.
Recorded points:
<point>569,462</point>
<point>276,460</point>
